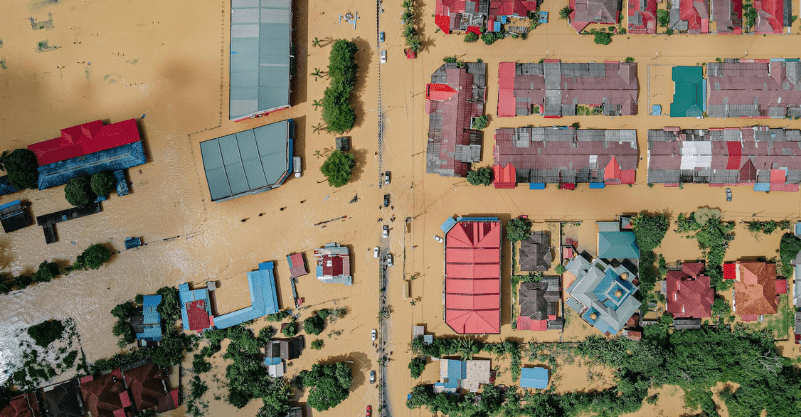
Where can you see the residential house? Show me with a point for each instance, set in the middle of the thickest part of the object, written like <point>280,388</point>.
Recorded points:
<point>454,99</point>
<point>754,88</point>
<point>24,405</point>
<point>689,16</point>
<point>286,349</point>
<point>106,395</point>
<point>13,216</point>
<point>554,88</point>
<point>760,156</point>
<point>773,15</point>
<point>146,321</point>
<point>615,242</point>
<point>333,264</point>
<point>471,16</point>
<point>727,17</point>
<point>263,298</point>
<point>473,275</point>
<point>535,254</point>
<point>297,265</point>
<point>149,388</point>
<point>195,308</point>
<point>469,375</point>
<point>62,400</point>
<point>536,377</point>
<point>602,293</point>
<point>564,156</point>
<point>687,323</point>
<point>642,17</point>
<point>754,289</point>
<point>689,294</point>
<point>295,412</point>
<point>585,12</point>
<point>540,305</point>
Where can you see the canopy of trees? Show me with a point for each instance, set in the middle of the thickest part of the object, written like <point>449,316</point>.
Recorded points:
<point>518,229</point>
<point>417,366</point>
<point>337,111</point>
<point>481,176</point>
<point>103,183</point>
<point>78,191</point>
<point>329,383</point>
<point>20,165</point>
<point>338,168</point>
<point>92,258</point>
<point>314,325</point>
<point>788,250</point>
<point>45,333</point>
<point>291,329</point>
<point>170,307</point>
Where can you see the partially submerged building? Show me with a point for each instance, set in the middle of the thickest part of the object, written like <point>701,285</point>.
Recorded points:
<point>261,58</point>
<point>473,275</point>
<point>727,17</point>
<point>13,216</point>
<point>760,156</point>
<point>540,305</point>
<point>554,88</point>
<point>24,405</point>
<point>87,149</point>
<point>689,294</point>
<point>248,162</point>
<point>616,242</point>
<point>535,254</point>
<point>689,16</point>
<point>754,88</point>
<point>62,400</point>
<point>333,264</point>
<point>195,308</point>
<point>585,12</point>
<point>754,288</point>
<point>279,351</point>
<point>297,265</point>
<point>689,92</point>
<point>263,298</point>
<point>455,374</point>
<point>602,294</point>
<point>149,388</point>
<point>536,377</point>
<point>147,321</point>
<point>454,99</point>
<point>106,395</point>
<point>642,17</point>
<point>564,156</point>
<point>471,16</point>
<point>773,16</point>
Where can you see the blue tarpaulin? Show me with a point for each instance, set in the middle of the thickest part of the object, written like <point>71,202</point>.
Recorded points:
<point>597,185</point>
<point>762,186</point>
<point>536,186</point>
<point>448,225</point>
<point>497,26</point>
<point>543,17</point>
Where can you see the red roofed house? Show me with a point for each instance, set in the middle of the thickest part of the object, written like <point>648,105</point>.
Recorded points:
<point>24,405</point>
<point>85,139</point>
<point>450,15</point>
<point>559,155</point>
<point>690,16</point>
<point>149,387</point>
<point>781,286</point>
<point>727,17</point>
<point>642,17</point>
<point>689,293</point>
<point>473,275</point>
<point>105,396</point>
<point>585,12</point>
<point>771,16</point>
<point>333,264</point>
<point>199,318</point>
<point>297,265</point>
<point>755,289</point>
<point>512,8</point>
<point>453,99</point>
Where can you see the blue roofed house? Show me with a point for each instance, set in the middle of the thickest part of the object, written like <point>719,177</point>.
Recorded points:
<point>469,375</point>
<point>147,325</point>
<point>602,294</point>
<point>616,243</point>
<point>263,298</point>
<point>195,308</point>
<point>534,378</point>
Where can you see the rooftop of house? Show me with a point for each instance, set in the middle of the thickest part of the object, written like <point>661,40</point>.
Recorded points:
<point>149,387</point>
<point>105,396</point>
<point>535,252</point>
<point>536,377</point>
<point>263,298</point>
<point>468,374</point>
<point>62,400</point>
<point>297,265</point>
<point>195,308</point>
<point>473,276</point>
<point>771,16</point>
<point>454,97</point>
<point>585,12</point>
<point>689,293</point>
<point>727,16</point>
<point>691,16</point>
<point>754,88</point>
<point>618,245</point>
<point>539,303</point>
<point>642,17</point>
<point>333,264</point>
<point>755,288</point>
<point>24,405</point>
<point>85,139</point>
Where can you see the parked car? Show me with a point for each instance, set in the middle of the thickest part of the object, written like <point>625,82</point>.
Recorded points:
<point>296,166</point>
<point>381,36</point>
<point>384,57</point>
<point>389,259</point>
<point>386,178</point>
<point>728,194</point>
<point>373,334</point>
<point>375,252</point>
<point>386,231</point>
<point>372,377</point>
<point>438,239</point>
<point>369,411</point>
<point>386,200</point>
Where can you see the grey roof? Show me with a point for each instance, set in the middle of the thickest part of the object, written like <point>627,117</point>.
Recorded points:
<point>686,324</point>
<point>248,162</point>
<point>535,253</point>
<point>540,299</point>
<point>261,38</point>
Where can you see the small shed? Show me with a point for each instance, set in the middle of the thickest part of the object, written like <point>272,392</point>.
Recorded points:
<point>13,216</point>
<point>297,265</point>
<point>343,143</point>
<point>536,377</point>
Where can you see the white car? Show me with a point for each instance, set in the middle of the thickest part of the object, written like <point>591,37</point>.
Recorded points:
<point>389,259</point>
<point>438,239</point>
<point>386,231</point>
<point>375,252</point>
<point>372,377</point>
<point>384,57</point>
<point>373,334</point>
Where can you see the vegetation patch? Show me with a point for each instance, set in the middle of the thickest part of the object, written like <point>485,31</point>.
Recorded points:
<point>413,40</point>
<point>47,349</point>
<point>788,249</point>
<point>338,168</point>
<point>481,176</point>
<point>329,383</point>
<point>45,333</point>
<point>713,236</point>
<point>92,258</point>
<point>21,167</point>
<point>337,111</point>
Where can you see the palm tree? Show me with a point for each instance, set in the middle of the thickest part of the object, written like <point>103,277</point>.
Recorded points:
<point>407,4</point>
<point>412,303</point>
<point>564,12</point>
<point>317,74</point>
<point>318,128</point>
<point>414,44</point>
<point>467,348</point>
<point>317,103</point>
<point>316,42</point>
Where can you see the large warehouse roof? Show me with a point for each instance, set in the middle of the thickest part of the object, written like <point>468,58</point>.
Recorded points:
<point>261,38</point>
<point>248,162</point>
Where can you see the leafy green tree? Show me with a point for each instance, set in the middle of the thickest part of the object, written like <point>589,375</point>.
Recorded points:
<point>314,325</point>
<point>103,183</point>
<point>576,125</point>
<point>170,351</point>
<point>199,364</point>
<point>417,366</point>
<point>663,18</point>
<point>649,230</point>
<point>337,111</point>
<point>338,168</point>
<point>282,314</point>
<point>266,333</point>
<point>45,333</point>
<point>92,258</point>
<point>560,269</point>
<point>78,191</point>
<point>329,383</point>
<point>629,59</point>
<point>789,247</point>
<point>449,60</point>
<point>21,166</point>
<point>480,122</point>
<point>564,12</point>
<point>518,229</point>
<point>317,344</point>
<point>290,330</point>
<point>123,311</point>
<point>482,176</point>
<point>603,38</point>
<point>170,306</point>
<point>470,37</point>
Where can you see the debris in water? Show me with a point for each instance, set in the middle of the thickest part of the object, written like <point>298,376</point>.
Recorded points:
<point>282,208</point>
<point>326,198</point>
<point>302,201</point>
<point>354,199</point>
<point>261,214</point>
<point>245,219</point>
<point>73,243</point>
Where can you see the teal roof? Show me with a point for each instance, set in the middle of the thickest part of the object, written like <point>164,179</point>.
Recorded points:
<point>688,92</point>
<point>261,41</point>
<point>248,162</point>
<point>534,378</point>
<point>617,245</point>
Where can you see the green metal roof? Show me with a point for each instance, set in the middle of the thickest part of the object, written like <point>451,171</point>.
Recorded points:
<point>261,37</point>
<point>248,162</point>
<point>688,92</point>
<point>617,245</point>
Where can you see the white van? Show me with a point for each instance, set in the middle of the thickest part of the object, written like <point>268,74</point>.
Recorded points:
<point>296,166</point>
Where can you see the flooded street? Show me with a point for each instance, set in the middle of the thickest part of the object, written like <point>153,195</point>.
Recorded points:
<point>166,64</point>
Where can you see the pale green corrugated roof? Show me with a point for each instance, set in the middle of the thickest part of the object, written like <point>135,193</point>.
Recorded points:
<point>617,245</point>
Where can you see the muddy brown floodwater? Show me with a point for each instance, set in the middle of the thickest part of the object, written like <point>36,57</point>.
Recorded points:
<point>168,61</point>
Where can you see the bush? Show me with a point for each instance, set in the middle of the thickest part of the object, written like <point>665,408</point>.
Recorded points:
<point>338,114</point>
<point>481,176</point>
<point>560,269</point>
<point>20,165</point>
<point>480,122</point>
<point>171,350</point>
<point>338,168</point>
<point>603,38</point>
<point>323,313</point>
<point>518,229</point>
<point>788,250</point>
<point>278,316</point>
<point>317,344</point>
<point>103,183</point>
<point>199,364</point>
<point>92,258</point>
<point>45,333</point>
<point>291,329</point>
<point>170,306</point>
<point>314,325</point>
<point>576,125</point>
<point>78,191</point>
<point>649,230</point>
<point>629,59</point>
<point>564,12</point>
<point>490,37</point>
<point>663,17</point>
<point>417,366</point>
<point>470,37</point>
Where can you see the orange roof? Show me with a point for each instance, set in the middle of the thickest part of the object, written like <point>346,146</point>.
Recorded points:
<point>755,291</point>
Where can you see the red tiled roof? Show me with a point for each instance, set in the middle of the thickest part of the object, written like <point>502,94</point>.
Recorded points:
<point>149,385</point>
<point>472,277</point>
<point>593,11</point>
<point>332,265</point>
<point>749,317</point>
<point>504,176</point>
<point>695,12</point>
<point>730,270</point>
<point>85,139</point>
<point>781,286</point>
<point>755,290</point>
<point>439,92</point>
<point>512,7</point>
<point>297,267</point>
<point>198,316</point>
<point>770,16</point>
<point>642,20</point>
<point>443,22</point>
<point>474,29</point>
<point>689,295</point>
<point>526,323</point>
<point>728,15</point>
<point>506,89</point>
<point>101,396</point>
<point>22,406</point>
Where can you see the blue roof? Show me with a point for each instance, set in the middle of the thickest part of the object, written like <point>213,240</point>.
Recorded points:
<point>448,225</point>
<point>597,185</point>
<point>152,319</point>
<point>536,186</point>
<point>263,298</point>
<point>617,245</point>
<point>10,204</point>
<point>272,361</point>
<point>477,219</point>
<point>456,372</point>
<point>114,159</point>
<point>609,285</point>
<point>534,378</point>
<point>762,186</point>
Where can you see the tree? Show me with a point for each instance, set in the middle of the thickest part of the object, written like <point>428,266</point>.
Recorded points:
<point>200,365</point>
<point>564,12</point>
<point>78,191</point>
<point>46,272</point>
<point>330,384</point>
<point>45,333</point>
<point>103,183</point>
<point>649,230</point>
<point>629,59</point>
<point>470,37</point>
<point>518,229</point>
<point>170,306</point>
<point>315,42</point>
<point>338,168</point>
<point>337,111</point>
<point>92,258</point>
<point>481,176</point>
<point>20,165</point>
<point>788,250</point>
<point>314,325</point>
<point>290,330</point>
<point>490,37</point>
<point>317,103</point>
<point>417,366</point>
<point>603,38</point>
<point>480,122</point>
<point>576,125</point>
<point>170,351</point>
<point>663,18</point>
<point>560,269</point>
<point>317,344</point>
